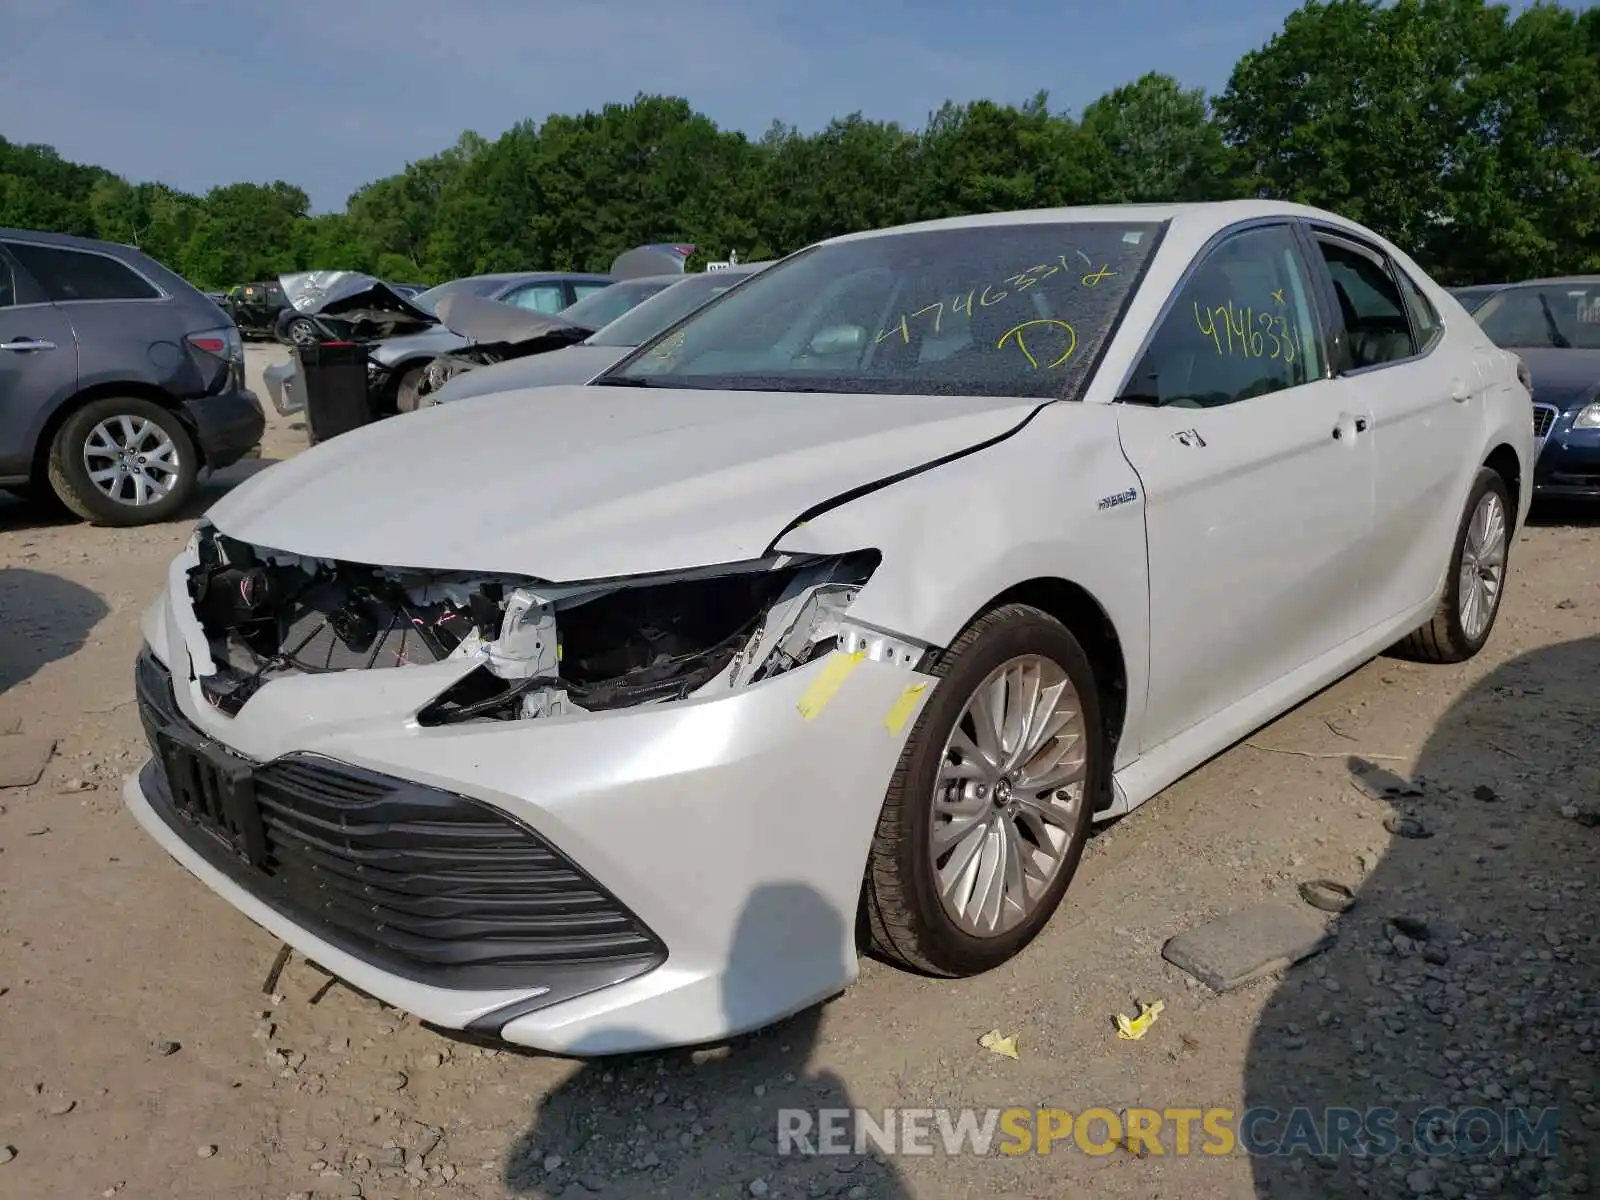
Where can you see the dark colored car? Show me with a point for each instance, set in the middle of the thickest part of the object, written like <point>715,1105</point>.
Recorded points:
<point>256,307</point>
<point>1472,298</point>
<point>1554,326</point>
<point>119,382</point>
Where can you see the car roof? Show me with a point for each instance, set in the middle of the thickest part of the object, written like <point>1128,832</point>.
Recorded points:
<point>537,276</point>
<point>1198,217</point>
<point>65,240</point>
<point>1553,280</point>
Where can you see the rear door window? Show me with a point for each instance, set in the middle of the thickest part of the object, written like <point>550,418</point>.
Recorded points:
<point>1377,325</point>
<point>1424,317</point>
<point>68,275</point>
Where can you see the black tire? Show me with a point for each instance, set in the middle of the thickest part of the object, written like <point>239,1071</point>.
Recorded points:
<point>406,397</point>
<point>1443,639</point>
<point>905,920</point>
<point>301,332</point>
<point>69,474</point>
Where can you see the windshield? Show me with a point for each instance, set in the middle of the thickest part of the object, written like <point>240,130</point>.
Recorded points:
<point>666,309</point>
<point>1563,315</point>
<point>1472,297</point>
<point>599,309</point>
<point>987,310</point>
<point>475,285</point>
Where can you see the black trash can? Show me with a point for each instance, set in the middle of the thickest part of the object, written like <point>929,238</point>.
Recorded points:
<point>334,378</point>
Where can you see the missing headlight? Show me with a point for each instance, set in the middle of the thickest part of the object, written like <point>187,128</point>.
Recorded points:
<point>540,649</point>
<point>650,640</point>
<point>266,613</point>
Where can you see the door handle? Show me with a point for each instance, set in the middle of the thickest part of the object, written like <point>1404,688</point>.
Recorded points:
<point>25,344</point>
<point>1459,391</point>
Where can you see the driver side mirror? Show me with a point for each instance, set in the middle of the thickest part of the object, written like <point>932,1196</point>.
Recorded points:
<point>837,339</point>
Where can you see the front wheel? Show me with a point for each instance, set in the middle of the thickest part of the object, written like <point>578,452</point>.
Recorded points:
<point>1461,624</point>
<point>123,461</point>
<point>301,332</point>
<point>989,808</point>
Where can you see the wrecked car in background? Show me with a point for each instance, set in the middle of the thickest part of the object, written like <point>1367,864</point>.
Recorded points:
<point>583,360</point>
<point>401,364</point>
<point>346,305</point>
<point>499,335</point>
<point>404,335</point>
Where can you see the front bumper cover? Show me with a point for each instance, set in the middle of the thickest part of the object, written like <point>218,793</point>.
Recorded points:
<point>1568,464</point>
<point>736,827</point>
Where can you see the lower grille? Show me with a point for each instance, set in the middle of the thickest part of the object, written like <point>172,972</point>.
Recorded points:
<point>1575,479</point>
<point>425,883</point>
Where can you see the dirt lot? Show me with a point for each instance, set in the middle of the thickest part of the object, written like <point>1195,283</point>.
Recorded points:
<point>111,956</point>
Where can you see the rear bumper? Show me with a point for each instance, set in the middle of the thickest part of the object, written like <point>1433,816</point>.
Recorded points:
<point>227,426</point>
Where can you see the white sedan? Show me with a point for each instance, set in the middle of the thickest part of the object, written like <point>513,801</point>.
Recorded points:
<point>832,617</point>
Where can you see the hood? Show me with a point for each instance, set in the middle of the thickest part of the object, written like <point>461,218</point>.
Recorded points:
<point>657,258</point>
<point>571,365</point>
<point>350,304</point>
<point>1564,378</point>
<point>489,322</point>
<point>332,293</point>
<point>577,483</point>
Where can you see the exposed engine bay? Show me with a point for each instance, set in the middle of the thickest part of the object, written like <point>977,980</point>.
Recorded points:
<point>540,649</point>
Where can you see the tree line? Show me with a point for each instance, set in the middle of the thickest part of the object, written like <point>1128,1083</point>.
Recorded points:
<point>1469,137</point>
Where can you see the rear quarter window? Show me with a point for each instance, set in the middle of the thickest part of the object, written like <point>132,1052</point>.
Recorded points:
<point>67,275</point>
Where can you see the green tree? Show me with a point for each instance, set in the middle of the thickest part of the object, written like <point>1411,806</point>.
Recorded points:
<point>1153,141</point>
<point>1470,138</point>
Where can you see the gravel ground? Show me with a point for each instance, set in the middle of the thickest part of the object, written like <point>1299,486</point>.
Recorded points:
<point>140,1057</point>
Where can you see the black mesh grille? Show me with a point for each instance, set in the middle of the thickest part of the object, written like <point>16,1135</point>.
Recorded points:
<point>425,883</point>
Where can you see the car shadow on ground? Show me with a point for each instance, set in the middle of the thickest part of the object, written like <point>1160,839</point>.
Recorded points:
<point>1551,513</point>
<point>44,618</point>
<point>1467,974</point>
<point>705,1123</point>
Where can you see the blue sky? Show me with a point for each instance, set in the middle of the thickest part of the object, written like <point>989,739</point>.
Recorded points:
<point>329,94</point>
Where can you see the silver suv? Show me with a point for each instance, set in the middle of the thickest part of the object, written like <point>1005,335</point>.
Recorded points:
<point>119,382</point>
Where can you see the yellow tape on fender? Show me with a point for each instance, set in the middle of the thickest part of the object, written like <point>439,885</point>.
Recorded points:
<point>828,682</point>
<point>900,711</point>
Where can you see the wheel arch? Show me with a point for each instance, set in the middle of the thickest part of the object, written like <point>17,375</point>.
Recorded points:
<point>1087,619</point>
<point>1503,461</point>
<point>100,391</point>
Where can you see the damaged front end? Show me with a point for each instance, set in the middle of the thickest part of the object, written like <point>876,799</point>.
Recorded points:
<point>350,304</point>
<point>495,332</point>
<point>537,649</point>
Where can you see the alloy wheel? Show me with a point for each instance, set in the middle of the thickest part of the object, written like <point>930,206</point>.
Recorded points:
<point>1483,562</point>
<point>1010,787</point>
<point>131,460</point>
